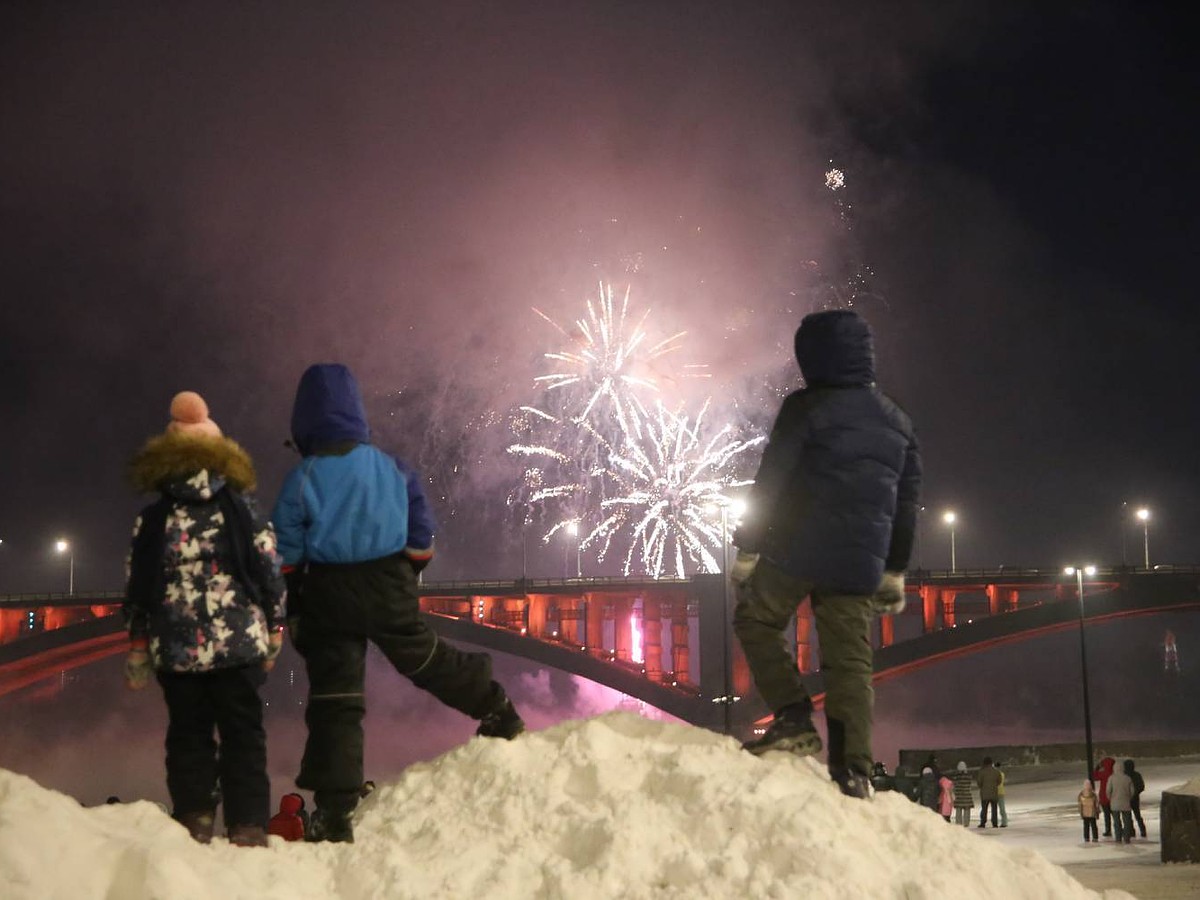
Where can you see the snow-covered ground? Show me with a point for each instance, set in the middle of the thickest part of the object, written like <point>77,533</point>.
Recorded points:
<point>614,806</point>
<point>1043,817</point>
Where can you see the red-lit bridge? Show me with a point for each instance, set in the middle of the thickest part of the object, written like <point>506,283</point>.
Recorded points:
<point>666,642</point>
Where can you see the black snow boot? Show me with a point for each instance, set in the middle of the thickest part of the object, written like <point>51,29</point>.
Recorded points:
<point>199,824</point>
<point>852,783</point>
<point>504,722</point>
<point>327,825</point>
<point>791,731</point>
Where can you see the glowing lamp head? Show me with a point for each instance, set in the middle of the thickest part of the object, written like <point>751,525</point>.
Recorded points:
<point>1080,570</point>
<point>949,517</point>
<point>61,546</point>
<point>572,528</point>
<point>738,508</point>
<point>1143,514</point>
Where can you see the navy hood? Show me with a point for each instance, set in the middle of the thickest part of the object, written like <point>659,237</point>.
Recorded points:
<point>835,348</point>
<point>328,409</point>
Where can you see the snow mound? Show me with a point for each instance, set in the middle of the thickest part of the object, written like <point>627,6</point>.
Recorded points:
<point>615,806</point>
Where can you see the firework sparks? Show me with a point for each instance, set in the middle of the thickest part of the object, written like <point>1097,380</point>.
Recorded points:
<point>606,465</point>
<point>611,357</point>
<point>671,482</point>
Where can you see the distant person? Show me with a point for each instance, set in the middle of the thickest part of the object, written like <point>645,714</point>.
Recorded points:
<point>880,779</point>
<point>988,779</point>
<point>946,797</point>
<point>929,791</point>
<point>205,607</point>
<point>355,530</point>
<point>112,800</point>
<point>1120,799</point>
<point>1139,786</point>
<point>964,795</point>
<point>1089,811</point>
<point>1100,776</point>
<point>1000,797</point>
<point>932,762</point>
<point>832,516</point>
<point>1170,653</point>
<point>287,823</point>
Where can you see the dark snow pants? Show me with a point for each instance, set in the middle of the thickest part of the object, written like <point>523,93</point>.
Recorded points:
<point>983,811</point>
<point>340,608</point>
<point>766,603</point>
<point>1136,805</point>
<point>226,700</point>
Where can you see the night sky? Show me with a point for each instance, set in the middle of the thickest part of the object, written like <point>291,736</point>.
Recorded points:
<point>213,196</point>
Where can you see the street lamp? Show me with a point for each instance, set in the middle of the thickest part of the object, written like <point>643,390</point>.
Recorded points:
<point>725,508</point>
<point>61,546</point>
<point>920,523</point>
<point>950,517</point>
<point>1079,572</point>
<point>573,530</point>
<point>1143,515</point>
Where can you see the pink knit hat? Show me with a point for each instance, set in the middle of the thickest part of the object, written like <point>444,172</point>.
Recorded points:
<point>189,416</point>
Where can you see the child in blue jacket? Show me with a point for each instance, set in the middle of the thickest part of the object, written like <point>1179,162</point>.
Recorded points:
<point>355,530</point>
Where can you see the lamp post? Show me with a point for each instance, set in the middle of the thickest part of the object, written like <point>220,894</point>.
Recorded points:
<point>1124,526</point>
<point>1079,572</point>
<point>1143,515</point>
<point>573,531</point>
<point>920,529</point>
<point>950,517</point>
<point>61,546</point>
<point>738,509</point>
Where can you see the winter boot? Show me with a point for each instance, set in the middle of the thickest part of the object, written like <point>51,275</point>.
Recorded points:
<point>327,825</point>
<point>248,836</point>
<point>504,722</point>
<point>199,824</point>
<point>791,731</point>
<point>852,783</point>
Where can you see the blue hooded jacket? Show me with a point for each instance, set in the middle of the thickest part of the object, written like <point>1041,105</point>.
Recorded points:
<point>347,501</point>
<point>834,502</point>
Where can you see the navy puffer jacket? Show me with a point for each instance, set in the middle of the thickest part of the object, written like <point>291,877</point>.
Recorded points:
<point>834,502</point>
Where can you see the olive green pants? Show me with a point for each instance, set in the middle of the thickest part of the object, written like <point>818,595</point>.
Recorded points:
<point>767,600</point>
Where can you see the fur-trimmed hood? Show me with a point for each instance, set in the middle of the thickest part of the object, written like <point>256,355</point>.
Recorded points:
<point>173,457</point>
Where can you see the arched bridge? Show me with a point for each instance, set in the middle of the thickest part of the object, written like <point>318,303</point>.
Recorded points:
<point>667,642</point>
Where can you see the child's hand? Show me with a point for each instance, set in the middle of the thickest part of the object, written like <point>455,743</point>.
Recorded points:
<point>274,648</point>
<point>137,668</point>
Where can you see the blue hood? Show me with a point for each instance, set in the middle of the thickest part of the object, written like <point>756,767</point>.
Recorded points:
<point>835,348</point>
<point>328,409</point>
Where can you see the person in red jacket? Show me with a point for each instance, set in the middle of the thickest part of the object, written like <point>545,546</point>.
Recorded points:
<point>1100,777</point>
<point>287,823</point>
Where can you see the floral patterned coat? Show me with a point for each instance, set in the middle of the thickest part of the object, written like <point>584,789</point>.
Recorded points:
<point>200,614</point>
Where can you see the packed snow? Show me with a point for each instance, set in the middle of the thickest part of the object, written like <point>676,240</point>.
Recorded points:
<point>1187,789</point>
<point>614,806</point>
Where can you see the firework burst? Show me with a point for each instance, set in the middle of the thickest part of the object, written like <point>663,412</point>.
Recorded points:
<point>608,466</point>
<point>664,480</point>
<point>670,484</point>
<point>610,359</point>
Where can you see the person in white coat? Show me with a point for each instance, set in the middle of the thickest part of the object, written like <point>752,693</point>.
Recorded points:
<point>1120,799</point>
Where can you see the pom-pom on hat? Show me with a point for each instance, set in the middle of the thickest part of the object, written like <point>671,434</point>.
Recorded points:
<point>189,416</point>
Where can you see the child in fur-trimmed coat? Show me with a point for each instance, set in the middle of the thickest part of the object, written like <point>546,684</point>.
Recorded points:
<point>1089,811</point>
<point>204,603</point>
